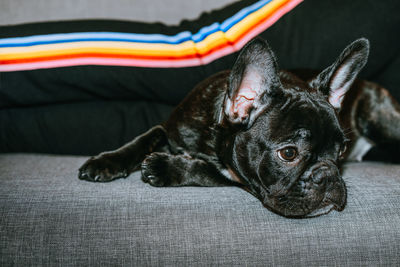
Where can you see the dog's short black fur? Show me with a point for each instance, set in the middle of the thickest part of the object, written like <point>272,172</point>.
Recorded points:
<point>279,135</point>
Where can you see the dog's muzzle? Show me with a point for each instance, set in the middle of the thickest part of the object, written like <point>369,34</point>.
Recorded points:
<point>326,174</point>
<point>318,191</point>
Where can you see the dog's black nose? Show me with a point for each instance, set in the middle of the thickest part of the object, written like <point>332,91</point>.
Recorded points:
<point>323,172</point>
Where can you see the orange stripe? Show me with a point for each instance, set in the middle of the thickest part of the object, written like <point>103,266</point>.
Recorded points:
<point>111,55</point>
<point>221,43</point>
<point>101,55</point>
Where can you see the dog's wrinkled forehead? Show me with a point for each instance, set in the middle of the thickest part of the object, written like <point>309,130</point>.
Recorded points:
<point>306,110</point>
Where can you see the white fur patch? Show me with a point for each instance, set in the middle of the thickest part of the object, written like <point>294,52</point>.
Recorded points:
<point>230,174</point>
<point>226,173</point>
<point>360,148</point>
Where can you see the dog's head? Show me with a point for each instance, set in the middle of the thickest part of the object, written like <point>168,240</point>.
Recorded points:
<point>290,142</point>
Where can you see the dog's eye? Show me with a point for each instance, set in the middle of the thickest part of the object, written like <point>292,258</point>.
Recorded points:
<point>287,153</point>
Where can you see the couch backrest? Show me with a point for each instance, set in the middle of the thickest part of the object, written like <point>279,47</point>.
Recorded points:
<point>170,11</point>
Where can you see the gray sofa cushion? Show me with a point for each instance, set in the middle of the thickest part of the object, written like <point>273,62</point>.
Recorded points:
<point>49,217</point>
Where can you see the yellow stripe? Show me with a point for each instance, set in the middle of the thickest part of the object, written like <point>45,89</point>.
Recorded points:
<point>220,38</point>
<point>121,48</point>
<point>141,49</point>
<point>248,22</point>
<point>94,44</point>
<point>212,41</point>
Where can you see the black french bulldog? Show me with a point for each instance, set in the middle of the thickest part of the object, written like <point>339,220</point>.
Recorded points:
<point>278,135</point>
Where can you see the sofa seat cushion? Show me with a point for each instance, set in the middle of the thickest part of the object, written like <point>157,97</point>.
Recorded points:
<point>50,217</point>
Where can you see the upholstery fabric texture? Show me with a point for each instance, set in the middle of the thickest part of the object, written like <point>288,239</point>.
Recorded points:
<point>50,218</point>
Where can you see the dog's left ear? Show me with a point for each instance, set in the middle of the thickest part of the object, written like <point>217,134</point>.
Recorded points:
<point>253,80</point>
<point>337,79</point>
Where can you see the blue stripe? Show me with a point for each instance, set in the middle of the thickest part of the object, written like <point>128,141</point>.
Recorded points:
<point>94,36</point>
<point>228,23</point>
<point>94,40</point>
<point>206,31</point>
<point>134,37</point>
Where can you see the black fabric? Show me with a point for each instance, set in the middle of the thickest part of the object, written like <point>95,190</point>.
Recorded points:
<point>74,110</point>
<point>313,34</point>
<point>77,128</point>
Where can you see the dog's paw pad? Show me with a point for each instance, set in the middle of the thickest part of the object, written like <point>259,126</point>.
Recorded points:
<point>98,169</point>
<point>154,169</point>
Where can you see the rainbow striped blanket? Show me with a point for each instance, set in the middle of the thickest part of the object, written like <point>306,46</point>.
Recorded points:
<point>184,49</point>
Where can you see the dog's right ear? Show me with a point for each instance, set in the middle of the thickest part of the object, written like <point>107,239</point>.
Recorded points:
<point>337,79</point>
<point>253,78</point>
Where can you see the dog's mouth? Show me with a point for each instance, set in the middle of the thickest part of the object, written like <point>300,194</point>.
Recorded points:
<point>316,201</point>
<point>336,201</point>
<point>321,211</point>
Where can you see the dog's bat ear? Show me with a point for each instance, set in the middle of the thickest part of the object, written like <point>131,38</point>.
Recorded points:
<point>337,79</point>
<point>253,77</point>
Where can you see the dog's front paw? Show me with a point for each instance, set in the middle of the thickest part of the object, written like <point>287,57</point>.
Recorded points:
<point>155,168</point>
<point>101,169</point>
